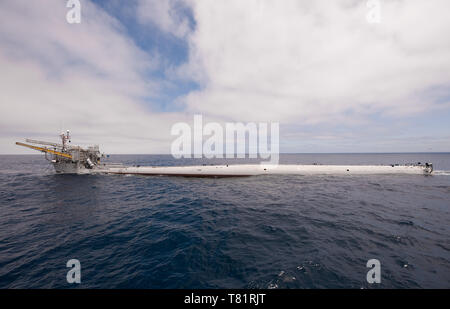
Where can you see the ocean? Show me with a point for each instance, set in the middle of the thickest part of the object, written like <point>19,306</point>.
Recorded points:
<point>253,232</point>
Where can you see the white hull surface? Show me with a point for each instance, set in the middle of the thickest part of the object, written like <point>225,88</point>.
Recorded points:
<point>257,169</point>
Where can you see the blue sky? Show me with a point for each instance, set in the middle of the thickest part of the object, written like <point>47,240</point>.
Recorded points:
<point>150,38</point>
<point>132,69</point>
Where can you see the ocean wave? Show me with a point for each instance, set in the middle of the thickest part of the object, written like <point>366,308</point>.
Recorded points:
<point>258,232</point>
<point>442,173</point>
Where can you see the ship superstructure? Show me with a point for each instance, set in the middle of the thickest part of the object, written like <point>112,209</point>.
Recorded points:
<point>68,159</point>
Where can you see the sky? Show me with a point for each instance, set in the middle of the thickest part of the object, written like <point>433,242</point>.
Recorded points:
<point>332,78</point>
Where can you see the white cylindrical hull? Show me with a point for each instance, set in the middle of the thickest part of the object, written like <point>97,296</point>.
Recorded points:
<point>256,169</point>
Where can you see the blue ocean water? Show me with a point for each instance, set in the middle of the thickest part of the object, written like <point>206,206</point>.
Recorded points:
<point>252,232</point>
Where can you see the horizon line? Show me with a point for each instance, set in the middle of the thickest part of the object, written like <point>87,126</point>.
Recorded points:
<point>224,155</point>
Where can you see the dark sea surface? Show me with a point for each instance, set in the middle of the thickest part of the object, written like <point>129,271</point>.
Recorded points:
<point>252,232</point>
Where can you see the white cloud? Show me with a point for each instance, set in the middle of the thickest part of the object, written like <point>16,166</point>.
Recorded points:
<point>86,77</point>
<point>311,62</point>
<point>314,63</point>
<point>166,14</point>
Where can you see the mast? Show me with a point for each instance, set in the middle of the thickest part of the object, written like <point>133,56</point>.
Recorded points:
<point>65,138</point>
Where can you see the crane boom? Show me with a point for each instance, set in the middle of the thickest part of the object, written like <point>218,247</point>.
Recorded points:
<point>32,141</point>
<point>43,149</point>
